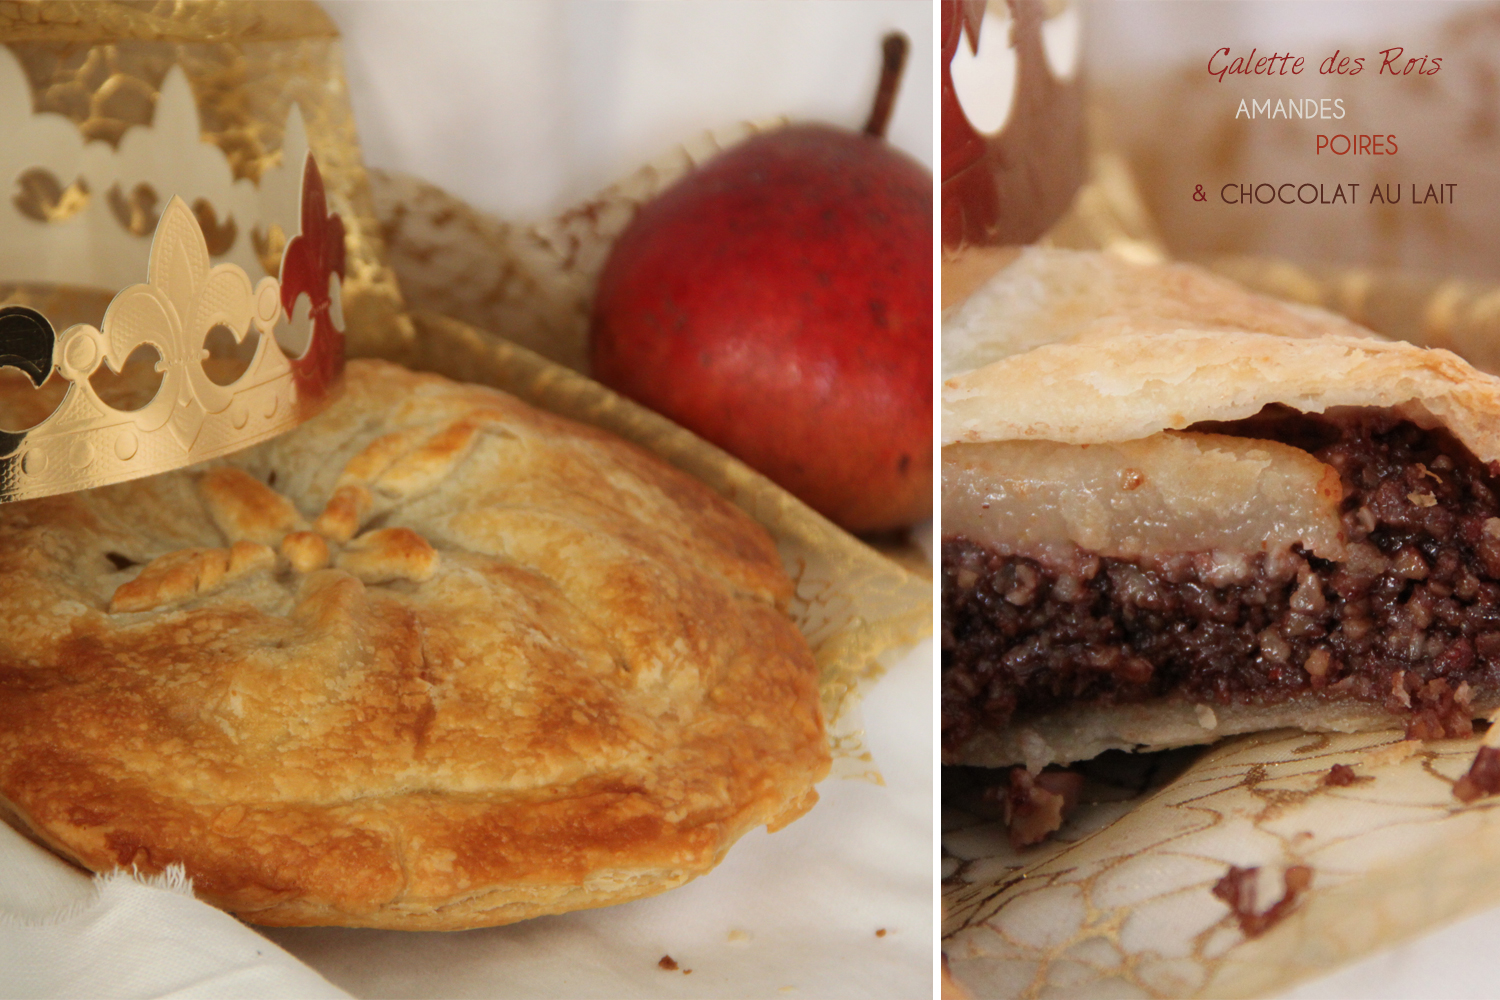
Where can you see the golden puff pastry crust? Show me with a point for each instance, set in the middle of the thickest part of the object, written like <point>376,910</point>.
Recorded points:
<point>1048,296</point>
<point>1080,348</point>
<point>434,660</point>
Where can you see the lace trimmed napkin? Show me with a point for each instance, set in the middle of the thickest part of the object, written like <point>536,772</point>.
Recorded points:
<point>64,934</point>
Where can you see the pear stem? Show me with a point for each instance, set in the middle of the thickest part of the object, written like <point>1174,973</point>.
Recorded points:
<point>893,50</point>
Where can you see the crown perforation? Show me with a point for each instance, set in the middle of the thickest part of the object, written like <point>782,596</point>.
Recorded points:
<point>211,398</point>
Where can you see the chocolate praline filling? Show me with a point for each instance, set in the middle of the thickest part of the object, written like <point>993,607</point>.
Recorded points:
<point>1409,620</point>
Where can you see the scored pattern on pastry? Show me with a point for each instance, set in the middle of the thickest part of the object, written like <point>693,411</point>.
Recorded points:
<point>189,573</point>
<point>259,520</point>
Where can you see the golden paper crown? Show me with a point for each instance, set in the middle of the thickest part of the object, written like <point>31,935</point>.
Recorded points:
<point>54,234</point>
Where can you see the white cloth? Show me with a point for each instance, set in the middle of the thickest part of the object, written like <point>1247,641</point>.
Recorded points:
<point>525,109</point>
<point>64,934</point>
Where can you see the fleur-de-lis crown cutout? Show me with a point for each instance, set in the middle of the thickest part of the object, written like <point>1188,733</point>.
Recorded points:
<point>85,442</point>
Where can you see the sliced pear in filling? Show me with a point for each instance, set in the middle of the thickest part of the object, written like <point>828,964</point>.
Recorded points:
<point>1170,493</point>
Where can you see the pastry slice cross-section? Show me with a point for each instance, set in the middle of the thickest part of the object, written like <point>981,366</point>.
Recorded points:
<point>1174,511</point>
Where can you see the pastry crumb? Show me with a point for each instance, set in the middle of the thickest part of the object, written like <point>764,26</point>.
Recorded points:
<point>1393,753</point>
<point>1237,889</point>
<point>1034,807</point>
<point>880,932</point>
<point>1342,775</point>
<point>668,962</point>
<point>1482,778</point>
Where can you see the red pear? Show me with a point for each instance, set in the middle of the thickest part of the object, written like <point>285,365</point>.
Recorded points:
<point>777,301</point>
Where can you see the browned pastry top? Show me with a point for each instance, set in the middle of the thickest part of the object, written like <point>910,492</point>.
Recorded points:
<point>434,659</point>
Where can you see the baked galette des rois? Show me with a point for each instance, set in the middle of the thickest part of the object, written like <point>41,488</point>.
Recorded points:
<point>1174,511</point>
<point>432,660</point>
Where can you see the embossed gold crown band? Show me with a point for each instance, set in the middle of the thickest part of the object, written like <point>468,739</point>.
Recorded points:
<point>85,442</point>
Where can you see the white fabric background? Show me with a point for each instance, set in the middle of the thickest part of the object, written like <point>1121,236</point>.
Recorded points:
<point>523,109</point>
<point>65,935</point>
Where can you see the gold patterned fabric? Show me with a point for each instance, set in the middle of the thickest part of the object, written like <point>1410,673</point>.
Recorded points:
<point>531,282</point>
<point>102,66</point>
<point>1121,902</point>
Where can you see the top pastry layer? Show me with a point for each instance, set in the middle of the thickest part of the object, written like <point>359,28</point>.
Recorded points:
<point>1080,348</point>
